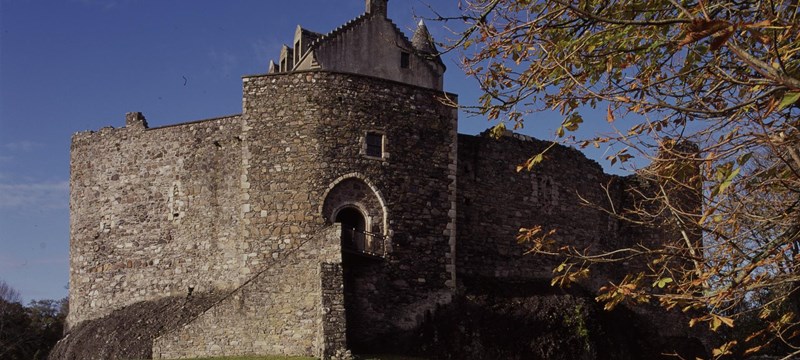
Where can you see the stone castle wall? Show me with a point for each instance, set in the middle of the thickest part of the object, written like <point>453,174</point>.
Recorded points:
<point>330,114</point>
<point>495,201</point>
<point>211,206</point>
<point>153,213</point>
<point>244,207</point>
<point>279,311</point>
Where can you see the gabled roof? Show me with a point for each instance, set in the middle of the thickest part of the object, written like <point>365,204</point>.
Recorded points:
<point>422,41</point>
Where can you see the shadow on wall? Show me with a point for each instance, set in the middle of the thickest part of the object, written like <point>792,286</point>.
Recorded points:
<point>533,320</point>
<point>128,333</point>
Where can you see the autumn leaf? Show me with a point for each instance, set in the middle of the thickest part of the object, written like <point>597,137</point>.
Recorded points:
<point>573,122</point>
<point>699,29</point>
<point>725,79</point>
<point>720,39</point>
<point>752,350</point>
<point>725,349</point>
<point>498,131</point>
<point>610,114</point>
<point>717,321</point>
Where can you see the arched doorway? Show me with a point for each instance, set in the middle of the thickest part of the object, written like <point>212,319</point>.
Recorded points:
<point>354,227</point>
<point>358,206</point>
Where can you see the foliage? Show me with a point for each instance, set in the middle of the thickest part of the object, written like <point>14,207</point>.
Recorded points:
<point>709,92</point>
<point>29,332</point>
<point>8,293</point>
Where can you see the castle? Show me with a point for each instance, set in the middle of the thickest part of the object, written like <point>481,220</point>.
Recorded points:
<point>341,207</point>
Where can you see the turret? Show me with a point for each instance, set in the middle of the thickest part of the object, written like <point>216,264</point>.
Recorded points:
<point>422,40</point>
<point>423,44</point>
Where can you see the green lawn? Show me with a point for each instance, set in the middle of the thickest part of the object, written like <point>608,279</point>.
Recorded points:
<point>362,357</point>
<point>258,358</point>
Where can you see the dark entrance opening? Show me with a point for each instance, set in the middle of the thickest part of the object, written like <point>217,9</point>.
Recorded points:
<point>353,228</point>
<point>359,272</point>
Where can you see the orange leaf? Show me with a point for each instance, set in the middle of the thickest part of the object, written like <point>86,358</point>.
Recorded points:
<point>759,24</point>
<point>610,115</point>
<point>721,39</point>
<point>752,350</point>
<point>701,28</point>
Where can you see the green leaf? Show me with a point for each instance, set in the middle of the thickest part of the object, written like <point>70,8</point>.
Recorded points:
<point>662,282</point>
<point>743,159</point>
<point>573,122</point>
<point>725,184</point>
<point>788,99</point>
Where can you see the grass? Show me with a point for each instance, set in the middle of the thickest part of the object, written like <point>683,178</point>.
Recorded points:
<point>275,357</point>
<point>271,357</point>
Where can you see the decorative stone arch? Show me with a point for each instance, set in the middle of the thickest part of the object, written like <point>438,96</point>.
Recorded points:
<point>355,191</point>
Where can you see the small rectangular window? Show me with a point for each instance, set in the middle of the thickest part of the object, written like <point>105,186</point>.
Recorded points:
<point>374,143</point>
<point>404,59</point>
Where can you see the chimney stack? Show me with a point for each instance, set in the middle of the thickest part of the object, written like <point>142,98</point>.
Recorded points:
<point>377,7</point>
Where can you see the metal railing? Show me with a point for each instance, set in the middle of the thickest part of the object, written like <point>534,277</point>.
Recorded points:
<point>360,241</point>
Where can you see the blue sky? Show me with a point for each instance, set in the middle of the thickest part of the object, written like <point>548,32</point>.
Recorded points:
<point>75,65</point>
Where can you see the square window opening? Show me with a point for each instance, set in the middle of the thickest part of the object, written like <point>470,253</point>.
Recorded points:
<point>374,142</point>
<point>405,59</point>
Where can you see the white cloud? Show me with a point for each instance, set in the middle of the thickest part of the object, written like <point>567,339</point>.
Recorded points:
<point>46,195</point>
<point>23,145</point>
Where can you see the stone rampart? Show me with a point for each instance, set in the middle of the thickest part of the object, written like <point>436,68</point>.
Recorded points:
<point>208,206</point>
<point>496,201</point>
<point>256,208</point>
<point>153,214</point>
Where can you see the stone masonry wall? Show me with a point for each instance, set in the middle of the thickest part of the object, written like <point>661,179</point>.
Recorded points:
<point>303,134</point>
<point>279,209</point>
<point>495,201</point>
<point>372,46</point>
<point>242,207</point>
<point>279,311</point>
<point>154,213</point>
<point>416,181</point>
